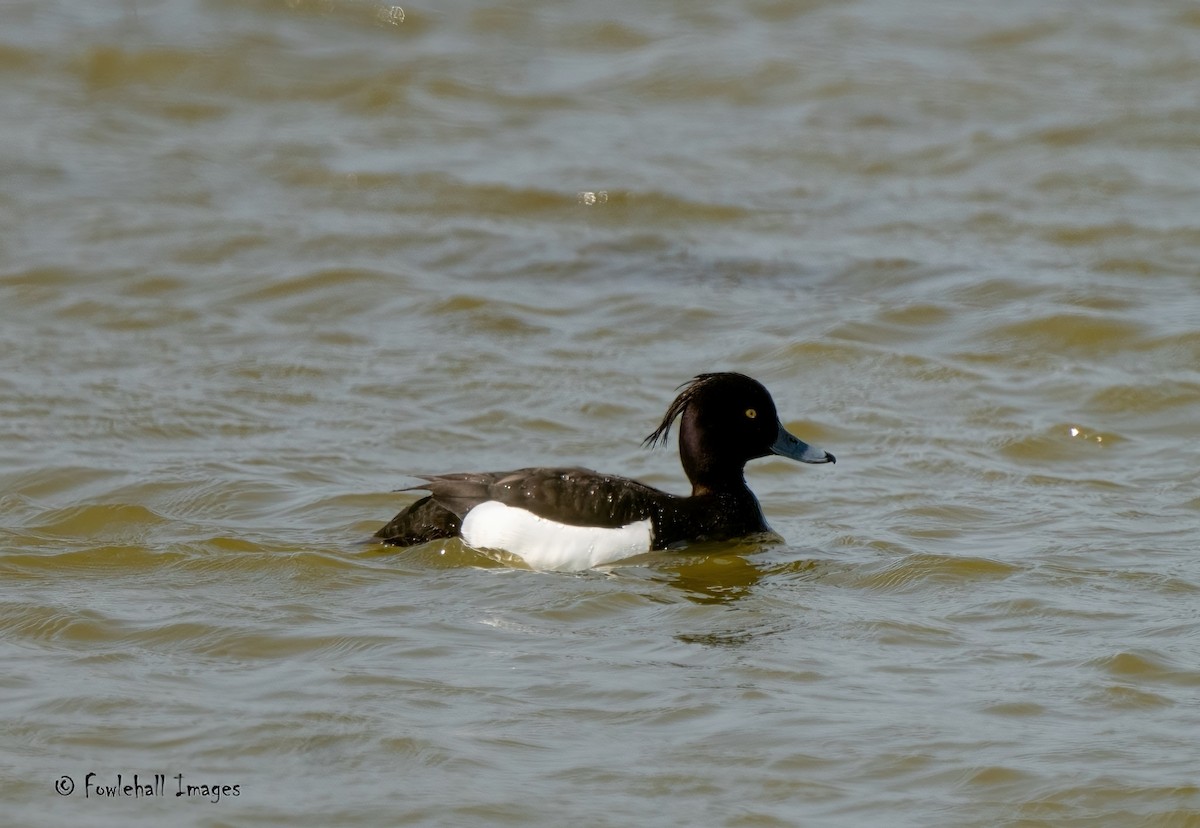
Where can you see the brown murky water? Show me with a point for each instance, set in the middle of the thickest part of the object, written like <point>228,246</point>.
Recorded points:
<point>259,260</point>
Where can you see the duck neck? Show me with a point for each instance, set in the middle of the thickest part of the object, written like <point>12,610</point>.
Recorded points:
<point>711,479</point>
<point>702,490</point>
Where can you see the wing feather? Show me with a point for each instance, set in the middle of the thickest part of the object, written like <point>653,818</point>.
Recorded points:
<point>575,496</point>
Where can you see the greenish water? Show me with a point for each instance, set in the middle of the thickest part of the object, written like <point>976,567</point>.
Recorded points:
<point>260,261</point>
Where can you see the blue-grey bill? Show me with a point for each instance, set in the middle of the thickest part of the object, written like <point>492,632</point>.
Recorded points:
<point>789,445</point>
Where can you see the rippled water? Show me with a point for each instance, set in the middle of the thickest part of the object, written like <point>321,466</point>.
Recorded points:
<point>262,259</point>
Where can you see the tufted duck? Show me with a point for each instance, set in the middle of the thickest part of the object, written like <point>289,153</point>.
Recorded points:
<point>574,518</point>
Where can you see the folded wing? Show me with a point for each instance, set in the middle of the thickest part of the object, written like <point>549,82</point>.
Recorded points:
<point>574,496</point>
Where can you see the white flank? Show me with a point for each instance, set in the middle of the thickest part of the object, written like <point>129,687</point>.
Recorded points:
<point>545,544</point>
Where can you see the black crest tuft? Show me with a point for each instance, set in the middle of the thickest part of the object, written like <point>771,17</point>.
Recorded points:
<point>691,389</point>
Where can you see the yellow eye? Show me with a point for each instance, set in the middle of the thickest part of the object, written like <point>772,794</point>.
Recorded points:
<point>751,413</point>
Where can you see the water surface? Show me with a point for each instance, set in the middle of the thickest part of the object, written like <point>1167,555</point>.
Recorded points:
<point>260,261</point>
